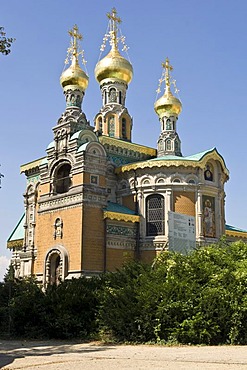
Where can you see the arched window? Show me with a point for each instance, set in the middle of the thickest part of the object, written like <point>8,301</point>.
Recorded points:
<point>112,96</point>
<point>208,173</point>
<point>168,144</point>
<point>124,133</point>
<point>55,273</point>
<point>100,123</point>
<point>62,181</point>
<point>155,215</point>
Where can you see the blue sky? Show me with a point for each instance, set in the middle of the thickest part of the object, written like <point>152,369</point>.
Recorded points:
<point>206,42</point>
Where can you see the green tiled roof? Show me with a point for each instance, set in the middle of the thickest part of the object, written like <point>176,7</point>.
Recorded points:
<point>233,228</point>
<point>18,232</point>
<point>118,208</point>
<point>193,157</point>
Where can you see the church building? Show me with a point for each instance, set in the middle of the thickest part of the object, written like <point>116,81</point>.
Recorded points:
<point>97,200</point>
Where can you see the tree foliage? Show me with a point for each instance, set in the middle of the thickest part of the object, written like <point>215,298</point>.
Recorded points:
<point>200,298</point>
<point>5,42</point>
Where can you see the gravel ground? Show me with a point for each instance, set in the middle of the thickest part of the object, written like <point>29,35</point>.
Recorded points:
<point>53,355</point>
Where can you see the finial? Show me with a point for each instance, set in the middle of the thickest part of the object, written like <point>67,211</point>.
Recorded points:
<point>74,50</point>
<point>168,68</point>
<point>114,20</point>
<point>167,78</point>
<point>112,33</point>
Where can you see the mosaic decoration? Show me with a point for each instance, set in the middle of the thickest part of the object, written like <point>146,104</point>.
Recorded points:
<point>208,216</point>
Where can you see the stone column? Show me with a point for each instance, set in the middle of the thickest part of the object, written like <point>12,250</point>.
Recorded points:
<point>199,216</point>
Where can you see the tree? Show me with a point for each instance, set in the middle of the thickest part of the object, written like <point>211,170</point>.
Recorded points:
<point>5,42</point>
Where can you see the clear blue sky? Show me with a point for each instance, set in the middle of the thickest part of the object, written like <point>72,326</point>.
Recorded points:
<point>206,41</point>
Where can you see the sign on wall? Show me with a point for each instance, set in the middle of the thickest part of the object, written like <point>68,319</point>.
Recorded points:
<point>181,232</point>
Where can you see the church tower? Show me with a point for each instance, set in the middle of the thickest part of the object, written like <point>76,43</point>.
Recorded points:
<point>114,73</point>
<point>74,82</point>
<point>168,108</point>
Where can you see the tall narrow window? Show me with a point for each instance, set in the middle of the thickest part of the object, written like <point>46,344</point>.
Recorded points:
<point>62,181</point>
<point>55,273</point>
<point>112,96</point>
<point>111,126</point>
<point>124,133</point>
<point>155,215</point>
<point>100,124</point>
<point>168,144</point>
<point>120,97</point>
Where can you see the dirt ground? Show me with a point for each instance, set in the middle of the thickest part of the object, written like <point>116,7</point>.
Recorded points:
<point>95,356</point>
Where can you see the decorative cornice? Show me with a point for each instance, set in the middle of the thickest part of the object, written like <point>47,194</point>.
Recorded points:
<point>121,216</point>
<point>201,163</point>
<point>127,145</point>
<point>31,165</point>
<point>236,234</point>
<point>15,244</point>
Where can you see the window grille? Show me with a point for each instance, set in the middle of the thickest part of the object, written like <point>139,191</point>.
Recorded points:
<point>155,215</point>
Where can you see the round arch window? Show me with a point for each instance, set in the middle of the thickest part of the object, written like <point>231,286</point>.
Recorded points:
<point>63,181</point>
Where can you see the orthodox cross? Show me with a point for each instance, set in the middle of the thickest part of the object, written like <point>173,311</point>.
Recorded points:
<point>168,68</point>
<point>75,35</point>
<point>113,26</point>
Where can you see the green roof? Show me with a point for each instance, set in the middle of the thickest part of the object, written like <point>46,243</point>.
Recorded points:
<point>118,208</point>
<point>193,157</point>
<point>18,232</point>
<point>233,228</point>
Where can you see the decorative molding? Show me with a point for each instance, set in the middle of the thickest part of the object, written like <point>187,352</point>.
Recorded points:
<point>175,163</point>
<point>124,245</point>
<point>121,231</point>
<point>64,202</point>
<point>15,244</point>
<point>121,216</point>
<point>128,146</point>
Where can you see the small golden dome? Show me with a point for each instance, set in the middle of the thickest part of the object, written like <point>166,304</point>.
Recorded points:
<point>167,104</point>
<point>74,77</point>
<point>114,66</point>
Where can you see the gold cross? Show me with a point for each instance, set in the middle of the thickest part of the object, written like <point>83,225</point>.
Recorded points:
<point>75,35</point>
<point>113,27</point>
<point>113,17</point>
<point>167,68</point>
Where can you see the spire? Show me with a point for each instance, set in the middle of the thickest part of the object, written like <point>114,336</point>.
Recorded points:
<point>168,107</point>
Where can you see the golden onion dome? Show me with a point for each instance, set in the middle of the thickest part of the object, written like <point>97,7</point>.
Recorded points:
<point>74,77</point>
<point>167,104</point>
<point>114,66</point>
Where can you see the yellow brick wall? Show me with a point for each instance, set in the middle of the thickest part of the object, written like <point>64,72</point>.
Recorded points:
<point>78,179</point>
<point>117,257</point>
<point>44,188</point>
<point>148,256</point>
<point>71,240</point>
<point>93,239</point>
<point>184,202</point>
<point>129,202</point>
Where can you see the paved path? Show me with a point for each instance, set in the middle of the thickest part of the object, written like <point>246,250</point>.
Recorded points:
<point>53,355</point>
